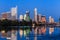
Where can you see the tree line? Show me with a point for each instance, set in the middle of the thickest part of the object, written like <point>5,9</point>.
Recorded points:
<point>9,24</point>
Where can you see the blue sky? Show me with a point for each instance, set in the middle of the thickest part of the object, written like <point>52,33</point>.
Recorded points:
<point>45,7</point>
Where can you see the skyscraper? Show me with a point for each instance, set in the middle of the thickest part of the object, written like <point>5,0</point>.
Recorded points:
<point>51,20</point>
<point>35,14</point>
<point>14,13</point>
<point>21,17</point>
<point>6,15</point>
<point>39,17</point>
<point>43,18</point>
<point>26,16</point>
<point>0,16</point>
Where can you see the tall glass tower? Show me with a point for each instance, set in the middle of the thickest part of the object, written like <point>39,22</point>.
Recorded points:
<point>35,14</point>
<point>14,13</point>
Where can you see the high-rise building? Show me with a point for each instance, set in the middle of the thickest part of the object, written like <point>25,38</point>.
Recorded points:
<point>26,16</point>
<point>0,16</point>
<point>21,17</point>
<point>14,13</point>
<point>59,20</point>
<point>51,20</point>
<point>43,19</point>
<point>6,15</point>
<point>39,17</point>
<point>35,14</point>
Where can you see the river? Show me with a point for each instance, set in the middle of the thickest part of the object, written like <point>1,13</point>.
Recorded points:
<point>39,33</point>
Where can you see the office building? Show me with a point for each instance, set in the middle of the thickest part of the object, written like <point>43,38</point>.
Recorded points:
<point>0,16</point>
<point>51,20</point>
<point>26,16</point>
<point>14,13</point>
<point>43,19</point>
<point>6,15</point>
<point>39,17</point>
<point>21,17</point>
<point>35,14</point>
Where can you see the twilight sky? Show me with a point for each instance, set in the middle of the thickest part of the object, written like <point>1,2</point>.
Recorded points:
<point>45,7</point>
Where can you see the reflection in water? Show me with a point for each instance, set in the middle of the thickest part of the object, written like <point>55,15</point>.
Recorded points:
<point>40,31</point>
<point>24,32</point>
<point>3,33</point>
<point>35,38</point>
<point>13,35</point>
<point>21,32</point>
<point>8,35</point>
<point>43,30</point>
<point>51,30</point>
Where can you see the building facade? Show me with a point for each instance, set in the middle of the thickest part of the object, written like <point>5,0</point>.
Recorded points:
<point>21,17</point>
<point>39,17</point>
<point>35,14</point>
<point>6,16</point>
<point>26,16</point>
<point>43,19</point>
<point>14,13</point>
<point>51,20</point>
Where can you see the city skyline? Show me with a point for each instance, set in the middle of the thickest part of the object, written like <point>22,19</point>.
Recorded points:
<point>45,7</point>
<point>29,19</point>
<point>12,15</point>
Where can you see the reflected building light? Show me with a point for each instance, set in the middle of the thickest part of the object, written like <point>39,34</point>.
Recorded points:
<point>35,38</point>
<point>36,30</point>
<point>33,25</point>
<point>21,32</point>
<point>39,31</point>
<point>51,30</point>
<point>25,33</point>
<point>13,35</point>
<point>3,31</point>
<point>43,30</point>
